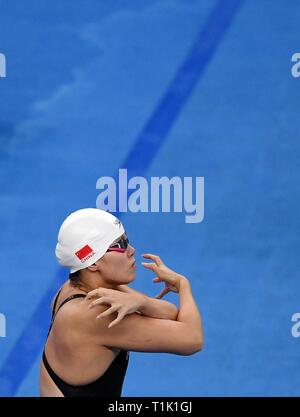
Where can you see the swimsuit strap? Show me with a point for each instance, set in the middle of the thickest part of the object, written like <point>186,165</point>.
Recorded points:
<point>72,297</point>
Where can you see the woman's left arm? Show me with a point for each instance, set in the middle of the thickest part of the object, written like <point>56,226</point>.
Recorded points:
<point>153,307</point>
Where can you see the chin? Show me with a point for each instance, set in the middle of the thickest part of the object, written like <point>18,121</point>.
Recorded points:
<point>132,277</point>
<point>129,278</point>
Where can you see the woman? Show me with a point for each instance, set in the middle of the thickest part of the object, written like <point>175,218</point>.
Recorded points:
<point>86,352</point>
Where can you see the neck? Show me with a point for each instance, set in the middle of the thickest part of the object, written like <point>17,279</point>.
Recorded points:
<point>91,281</point>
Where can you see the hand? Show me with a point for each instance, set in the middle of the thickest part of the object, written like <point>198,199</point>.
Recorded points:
<point>121,302</point>
<point>164,274</point>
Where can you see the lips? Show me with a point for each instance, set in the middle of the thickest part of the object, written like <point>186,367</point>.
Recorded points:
<point>133,264</point>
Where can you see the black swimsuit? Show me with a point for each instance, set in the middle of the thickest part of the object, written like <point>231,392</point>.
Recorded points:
<point>108,385</point>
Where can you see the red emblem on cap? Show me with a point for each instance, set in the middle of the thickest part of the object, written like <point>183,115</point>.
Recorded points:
<point>84,252</point>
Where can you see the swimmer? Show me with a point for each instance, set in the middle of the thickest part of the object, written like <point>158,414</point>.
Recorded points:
<point>97,319</point>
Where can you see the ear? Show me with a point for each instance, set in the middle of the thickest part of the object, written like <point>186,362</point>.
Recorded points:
<point>93,267</point>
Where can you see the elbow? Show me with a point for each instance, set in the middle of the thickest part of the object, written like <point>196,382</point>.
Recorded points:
<point>192,348</point>
<point>199,345</point>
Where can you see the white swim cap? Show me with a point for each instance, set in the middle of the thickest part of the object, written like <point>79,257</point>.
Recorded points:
<point>85,236</point>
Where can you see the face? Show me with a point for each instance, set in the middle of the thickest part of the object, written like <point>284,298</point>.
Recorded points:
<point>117,266</point>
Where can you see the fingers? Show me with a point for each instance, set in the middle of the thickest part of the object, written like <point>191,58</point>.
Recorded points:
<point>154,258</point>
<point>153,267</point>
<point>98,292</point>
<point>111,310</point>
<point>102,300</point>
<point>121,315</point>
<point>162,293</point>
<point>108,311</point>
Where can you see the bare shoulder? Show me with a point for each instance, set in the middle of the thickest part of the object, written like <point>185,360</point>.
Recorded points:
<point>76,315</point>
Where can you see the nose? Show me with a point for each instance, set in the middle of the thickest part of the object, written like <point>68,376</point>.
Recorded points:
<point>130,251</point>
